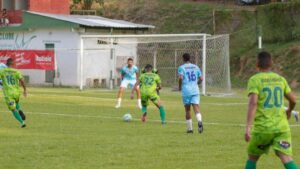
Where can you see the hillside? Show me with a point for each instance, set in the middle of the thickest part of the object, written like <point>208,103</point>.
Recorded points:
<point>277,23</point>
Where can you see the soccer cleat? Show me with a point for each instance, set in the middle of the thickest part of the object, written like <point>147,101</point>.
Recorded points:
<point>200,127</point>
<point>22,115</point>
<point>23,126</point>
<point>190,132</point>
<point>143,118</point>
<point>296,115</point>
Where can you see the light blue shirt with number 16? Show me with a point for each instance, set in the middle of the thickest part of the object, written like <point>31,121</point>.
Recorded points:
<point>191,74</point>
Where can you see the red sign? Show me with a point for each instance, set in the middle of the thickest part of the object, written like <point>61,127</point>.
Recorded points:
<point>30,59</point>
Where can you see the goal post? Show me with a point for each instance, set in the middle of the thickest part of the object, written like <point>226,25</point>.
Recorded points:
<point>102,57</point>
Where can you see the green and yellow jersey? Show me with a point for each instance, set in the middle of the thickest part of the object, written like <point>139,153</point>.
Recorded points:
<point>270,115</point>
<point>149,82</point>
<point>10,80</point>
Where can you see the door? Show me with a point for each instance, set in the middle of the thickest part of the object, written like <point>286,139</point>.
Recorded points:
<point>50,74</point>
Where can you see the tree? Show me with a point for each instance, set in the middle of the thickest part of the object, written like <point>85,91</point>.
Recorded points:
<point>87,4</point>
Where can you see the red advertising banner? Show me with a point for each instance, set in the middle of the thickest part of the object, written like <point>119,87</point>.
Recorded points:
<point>30,59</point>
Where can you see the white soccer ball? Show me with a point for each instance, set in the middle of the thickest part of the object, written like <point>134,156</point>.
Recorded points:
<point>127,117</point>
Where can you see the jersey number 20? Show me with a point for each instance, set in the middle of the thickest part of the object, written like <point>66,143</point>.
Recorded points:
<point>278,97</point>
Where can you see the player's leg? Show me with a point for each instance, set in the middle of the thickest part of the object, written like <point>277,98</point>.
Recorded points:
<point>251,162</point>
<point>145,104</point>
<point>286,160</point>
<point>123,86</point>
<point>156,100</point>
<point>11,104</point>
<point>18,107</point>
<point>259,144</point>
<point>138,93</point>
<point>282,145</point>
<point>188,118</point>
<point>195,100</point>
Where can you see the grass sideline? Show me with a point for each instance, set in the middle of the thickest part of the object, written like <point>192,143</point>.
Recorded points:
<point>68,129</point>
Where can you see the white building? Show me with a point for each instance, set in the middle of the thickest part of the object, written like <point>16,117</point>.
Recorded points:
<point>41,31</point>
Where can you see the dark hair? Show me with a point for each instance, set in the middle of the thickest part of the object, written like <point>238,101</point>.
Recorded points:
<point>148,67</point>
<point>264,60</point>
<point>129,59</point>
<point>9,61</point>
<point>186,57</point>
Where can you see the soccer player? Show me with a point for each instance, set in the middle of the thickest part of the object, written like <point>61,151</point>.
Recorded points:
<point>266,92</point>
<point>150,82</point>
<point>189,78</point>
<point>2,66</point>
<point>153,71</point>
<point>11,80</point>
<point>129,75</point>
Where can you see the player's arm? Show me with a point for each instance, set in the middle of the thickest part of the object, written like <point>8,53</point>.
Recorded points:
<point>180,79</point>
<point>252,105</point>
<point>22,82</point>
<point>200,79</point>
<point>292,103</point>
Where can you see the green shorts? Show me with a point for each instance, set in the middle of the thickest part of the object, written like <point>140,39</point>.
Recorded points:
<point>12,101</point>
<point>145,97</point>
<point>260,143</point>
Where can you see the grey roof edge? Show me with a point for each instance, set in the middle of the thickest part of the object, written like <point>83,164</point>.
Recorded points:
<point>82,20</point>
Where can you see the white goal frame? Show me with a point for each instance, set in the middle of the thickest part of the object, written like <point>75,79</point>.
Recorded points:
<point>203,50</point>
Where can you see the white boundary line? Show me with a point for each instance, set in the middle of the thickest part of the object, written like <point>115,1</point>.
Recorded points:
<point>135,119</point>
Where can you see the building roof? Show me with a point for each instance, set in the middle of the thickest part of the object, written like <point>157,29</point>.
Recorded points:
<point>94,21</point>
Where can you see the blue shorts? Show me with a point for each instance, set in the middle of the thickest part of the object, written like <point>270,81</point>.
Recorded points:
<point>193,99</point>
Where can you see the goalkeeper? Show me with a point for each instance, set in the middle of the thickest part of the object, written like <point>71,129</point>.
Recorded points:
<point>149,83</point>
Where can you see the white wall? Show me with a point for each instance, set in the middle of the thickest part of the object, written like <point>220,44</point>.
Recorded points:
<point>66,49</point>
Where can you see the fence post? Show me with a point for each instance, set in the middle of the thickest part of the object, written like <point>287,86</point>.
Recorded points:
<point>204,65</point>
<point>81,64</point>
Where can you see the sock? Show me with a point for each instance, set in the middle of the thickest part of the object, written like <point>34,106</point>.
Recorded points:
<point>144,109</point>
<point>189,124</point>
<point>18,106</point>
<point>295,113</point>
<point>18,117</point>
<point>290,165</point>
<point>162,114</point>
<point>250,164</point>
<point>198,116</point>
<point>139,103</point>
<point>119,100</point>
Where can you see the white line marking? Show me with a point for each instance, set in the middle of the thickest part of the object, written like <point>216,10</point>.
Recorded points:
<point>149,120</point>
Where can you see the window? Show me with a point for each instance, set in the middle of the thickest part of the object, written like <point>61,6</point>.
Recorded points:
<point>21,4</point>
<point>8,4</point>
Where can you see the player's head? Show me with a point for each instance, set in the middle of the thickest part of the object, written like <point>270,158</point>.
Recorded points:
<point>264,61</point>
<point>148,68</point>
<point>186,57</point>
<point>129,62</point>
<point>10,62</point>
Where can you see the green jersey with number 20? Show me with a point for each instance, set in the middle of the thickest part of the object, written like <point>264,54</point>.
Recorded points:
<point>270,115</point>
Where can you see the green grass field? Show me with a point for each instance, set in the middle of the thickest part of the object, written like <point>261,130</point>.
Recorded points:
<point>68,129</point>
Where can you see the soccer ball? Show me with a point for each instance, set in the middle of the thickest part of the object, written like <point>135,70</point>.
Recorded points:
<point>127,117</point>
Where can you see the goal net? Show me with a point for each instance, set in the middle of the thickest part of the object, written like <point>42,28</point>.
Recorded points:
<point>103,56</point>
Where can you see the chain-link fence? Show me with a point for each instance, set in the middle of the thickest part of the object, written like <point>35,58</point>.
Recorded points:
<point>104,56</point>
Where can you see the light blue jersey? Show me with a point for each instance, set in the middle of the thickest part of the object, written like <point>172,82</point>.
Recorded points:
<point>129,73</point>
<point>2,66</point>
<point>191,74</point>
